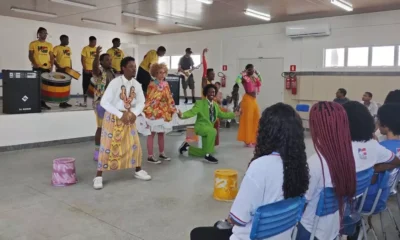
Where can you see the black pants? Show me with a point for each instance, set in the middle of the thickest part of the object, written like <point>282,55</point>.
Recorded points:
<point>143,77</point>
<point>41,70</point>
<point>86,76</point>
<point>210,233</point>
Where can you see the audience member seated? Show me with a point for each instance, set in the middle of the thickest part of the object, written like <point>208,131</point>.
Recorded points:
<point>392,97</point>
<point>389,126</point>
<point>332,165</point>
<point>277,171</point>
<point>371,105</point>
<point>341,96</point>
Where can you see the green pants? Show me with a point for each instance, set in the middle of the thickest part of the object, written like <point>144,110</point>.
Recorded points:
<point>208,135</point>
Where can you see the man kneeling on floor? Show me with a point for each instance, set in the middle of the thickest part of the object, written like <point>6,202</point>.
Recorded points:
<point>207,112</point>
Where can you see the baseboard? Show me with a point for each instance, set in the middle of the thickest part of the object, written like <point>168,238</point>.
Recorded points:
<point>45,144</point>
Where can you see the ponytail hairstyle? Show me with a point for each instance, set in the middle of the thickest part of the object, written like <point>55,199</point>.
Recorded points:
<point>281,130</point>
<point>330,133</point>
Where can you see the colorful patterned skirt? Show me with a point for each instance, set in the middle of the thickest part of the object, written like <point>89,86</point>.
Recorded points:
<point>119,146</point>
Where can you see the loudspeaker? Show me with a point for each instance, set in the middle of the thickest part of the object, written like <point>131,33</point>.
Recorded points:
<point>174,84</point>
<point>21,92</point>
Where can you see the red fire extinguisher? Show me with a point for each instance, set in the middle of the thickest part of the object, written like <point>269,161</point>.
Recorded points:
<point>287,83</point>
<point>222,79</point>
<point>293,84</point>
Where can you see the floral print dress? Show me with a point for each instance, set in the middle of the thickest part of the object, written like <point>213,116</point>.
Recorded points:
<point>159,109</point>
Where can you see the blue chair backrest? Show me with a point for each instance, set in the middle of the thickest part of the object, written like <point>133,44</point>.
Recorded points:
<point>275,218</point>
<point>302,107</point>
<point>328,203</point>
<point>363,181</point>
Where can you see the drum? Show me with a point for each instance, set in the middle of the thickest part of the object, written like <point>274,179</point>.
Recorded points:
<point>74,74</point>
<point>63,172</point>
<point>225,184</point>
<point>55,87</point>
<point>91,89</point>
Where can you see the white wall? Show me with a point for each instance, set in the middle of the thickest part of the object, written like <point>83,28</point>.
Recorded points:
<point>41,127</point>
<point>16,34</point>
<point>226,46</point>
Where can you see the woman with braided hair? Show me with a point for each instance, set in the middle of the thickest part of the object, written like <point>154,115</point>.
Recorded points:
<point>332,165</point>
<point>277,171</point>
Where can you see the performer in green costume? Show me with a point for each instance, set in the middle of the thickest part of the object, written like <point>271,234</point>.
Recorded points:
<point>207,112</point>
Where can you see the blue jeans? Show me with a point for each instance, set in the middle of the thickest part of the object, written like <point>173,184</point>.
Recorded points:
<point>302,233</point>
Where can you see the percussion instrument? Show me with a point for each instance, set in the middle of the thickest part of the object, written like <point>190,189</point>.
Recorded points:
<point>63,172</point>
<point>74,74</point>
<point>55,87</point>
<point>92,88</point>
<point>225,184</point>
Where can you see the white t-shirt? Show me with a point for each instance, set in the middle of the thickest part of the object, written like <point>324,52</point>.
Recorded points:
<point>261,185</point>
<point>366,155</point>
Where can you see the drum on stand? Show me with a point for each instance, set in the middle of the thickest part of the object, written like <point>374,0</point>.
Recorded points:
<point>74,74</point>
<point>92,88</point>
<point>56,87</point>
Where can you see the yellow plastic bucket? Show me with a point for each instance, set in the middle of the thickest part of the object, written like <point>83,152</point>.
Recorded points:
<point>225,185</point>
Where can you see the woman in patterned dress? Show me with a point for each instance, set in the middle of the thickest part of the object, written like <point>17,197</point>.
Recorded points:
<point>158,111</point>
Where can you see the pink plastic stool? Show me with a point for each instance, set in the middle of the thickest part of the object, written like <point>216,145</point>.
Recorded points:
<point>63,172</point>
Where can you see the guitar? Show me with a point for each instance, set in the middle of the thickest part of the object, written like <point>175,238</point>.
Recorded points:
<point>186,73</point>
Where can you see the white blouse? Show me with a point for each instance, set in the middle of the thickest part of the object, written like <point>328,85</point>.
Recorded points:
<point>112,102</point>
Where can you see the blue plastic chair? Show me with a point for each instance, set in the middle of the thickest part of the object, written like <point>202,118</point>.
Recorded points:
<point>352,218</point>
<point>327,204</point>
<point>275,218</point>
<point>302,107</point>
<point>384,184</point>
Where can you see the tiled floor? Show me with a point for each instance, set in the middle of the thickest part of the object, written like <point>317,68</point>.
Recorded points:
<point>177,199</point>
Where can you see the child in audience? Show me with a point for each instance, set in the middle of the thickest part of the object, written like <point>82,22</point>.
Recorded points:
<point>277,171</point>
<point>389,126</point>
<point>392,97</point>
<point>332,165</point>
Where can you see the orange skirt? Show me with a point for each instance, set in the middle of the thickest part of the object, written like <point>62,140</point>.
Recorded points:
<point>248,124</point>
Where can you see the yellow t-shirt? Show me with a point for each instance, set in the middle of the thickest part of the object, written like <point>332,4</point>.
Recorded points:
<point>150,58</point>
<point>89,53</point>
<point>41,53</point>
<point>62,56</point>
<point>116,55</point>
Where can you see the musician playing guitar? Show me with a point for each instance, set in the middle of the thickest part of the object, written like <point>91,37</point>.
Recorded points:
<point>186,66</point>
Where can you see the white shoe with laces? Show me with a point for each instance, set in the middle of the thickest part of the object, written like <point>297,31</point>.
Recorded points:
<point>98,183</point>
<point>142,175</point>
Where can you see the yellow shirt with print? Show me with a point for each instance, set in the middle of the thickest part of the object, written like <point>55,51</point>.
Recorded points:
<point>116,55</point>
<point>89,53</point>
<point>150,58</point>
<point>62,56</point>
<point>41,53</point>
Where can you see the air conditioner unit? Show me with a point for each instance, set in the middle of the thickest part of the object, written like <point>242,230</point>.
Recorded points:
<point>300,31</point>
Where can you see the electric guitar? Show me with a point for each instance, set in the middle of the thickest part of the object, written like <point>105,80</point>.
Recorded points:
<point>186,73</point>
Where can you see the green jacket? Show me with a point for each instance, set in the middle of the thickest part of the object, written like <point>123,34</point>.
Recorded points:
<point>200,109</point>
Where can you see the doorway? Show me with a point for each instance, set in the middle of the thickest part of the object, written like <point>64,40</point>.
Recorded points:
<point>273,84</point>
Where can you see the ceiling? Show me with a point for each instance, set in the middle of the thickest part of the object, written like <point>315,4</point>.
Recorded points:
<point>221,14</point>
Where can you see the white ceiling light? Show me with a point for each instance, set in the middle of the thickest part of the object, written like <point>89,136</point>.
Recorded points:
<point>76,4</point>
<point>206,1</point>
<point>257,14</point>
<point>343,4</point>
<point>147,30</point>
<point>139,16</point>
<point>98,22</point>
<point>187,26</point>
<point>33,12</point>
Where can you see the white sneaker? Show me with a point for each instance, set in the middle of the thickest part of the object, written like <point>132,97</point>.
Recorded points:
<point>142,175</point>
<point>98,183</point>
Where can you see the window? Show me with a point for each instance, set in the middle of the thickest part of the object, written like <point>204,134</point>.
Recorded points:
<point>175,61</point>
<point>357,57</point>
<point>334,57</point>
<point>166,60</point>
<point>383,56</point>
